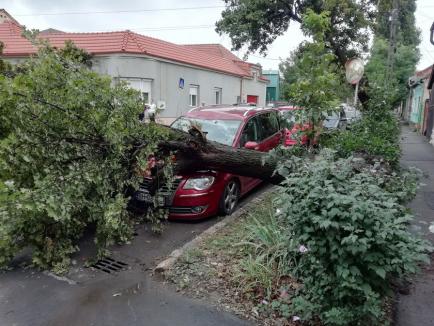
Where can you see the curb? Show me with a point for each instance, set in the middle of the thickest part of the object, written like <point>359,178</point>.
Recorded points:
<point>175,254</point>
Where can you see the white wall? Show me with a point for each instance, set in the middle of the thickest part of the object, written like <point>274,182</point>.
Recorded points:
<point>165,78</point>
<point>254,87</point>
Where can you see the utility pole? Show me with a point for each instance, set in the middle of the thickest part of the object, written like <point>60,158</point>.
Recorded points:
<point>393,18</point>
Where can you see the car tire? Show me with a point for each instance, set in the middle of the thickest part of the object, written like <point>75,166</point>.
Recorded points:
<point>229,199</point>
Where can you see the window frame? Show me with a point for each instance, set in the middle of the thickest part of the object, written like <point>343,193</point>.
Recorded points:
<point>218,95</point>
<point>267,131</point>
<point>191,96</point>
<point>258,132</point>
<point>143,85</point>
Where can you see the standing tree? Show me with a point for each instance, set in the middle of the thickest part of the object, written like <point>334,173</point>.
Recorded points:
<point>257,23</point>
<point>405,57</point>
<point>316,72</point>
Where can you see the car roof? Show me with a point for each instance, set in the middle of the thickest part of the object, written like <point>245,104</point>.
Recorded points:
<point>288,108</point>
<point>226,112</point>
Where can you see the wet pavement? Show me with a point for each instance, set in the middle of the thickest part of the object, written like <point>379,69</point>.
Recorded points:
<point>128,295</point>
<point>417,308</point>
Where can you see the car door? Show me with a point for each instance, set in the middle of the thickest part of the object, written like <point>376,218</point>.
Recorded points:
<point>263,129</point>
<point>250,133</point>
<point>269,128</point>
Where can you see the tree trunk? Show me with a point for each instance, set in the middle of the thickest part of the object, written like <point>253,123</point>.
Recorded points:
<point>193,152</point>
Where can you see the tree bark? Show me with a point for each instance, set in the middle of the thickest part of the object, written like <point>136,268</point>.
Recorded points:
<point>193,153</point>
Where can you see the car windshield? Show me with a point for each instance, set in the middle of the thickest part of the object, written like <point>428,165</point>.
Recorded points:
<point>221,131</point>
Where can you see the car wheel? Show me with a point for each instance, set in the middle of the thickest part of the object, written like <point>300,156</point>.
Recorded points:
<point>229,199</point>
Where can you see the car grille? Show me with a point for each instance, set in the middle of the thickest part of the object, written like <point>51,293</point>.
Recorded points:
<point>165,189</point>
<point>168,192</point>
<point>164,193</point>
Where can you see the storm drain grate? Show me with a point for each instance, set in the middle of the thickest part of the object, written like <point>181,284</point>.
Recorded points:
<point>110,265</point>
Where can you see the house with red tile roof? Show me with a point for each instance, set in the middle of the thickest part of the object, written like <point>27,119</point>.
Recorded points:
<point>416,109</point>
<point>175,77</point>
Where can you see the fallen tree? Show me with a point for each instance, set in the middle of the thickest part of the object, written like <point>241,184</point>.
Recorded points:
<point>73,154</point>
<point>194,152</point>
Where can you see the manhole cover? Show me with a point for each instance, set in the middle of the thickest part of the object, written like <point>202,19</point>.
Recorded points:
<point>428,197</point>
<point>109,265</point>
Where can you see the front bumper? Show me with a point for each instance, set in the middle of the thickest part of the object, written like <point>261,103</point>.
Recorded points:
<point>194,205</point>
<point>183,204</point>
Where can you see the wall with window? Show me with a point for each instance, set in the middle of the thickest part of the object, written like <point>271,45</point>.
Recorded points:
<point>143,85</point>
<point>161,80</point>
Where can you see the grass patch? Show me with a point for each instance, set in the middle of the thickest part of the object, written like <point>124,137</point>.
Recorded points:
<point>235,268</point>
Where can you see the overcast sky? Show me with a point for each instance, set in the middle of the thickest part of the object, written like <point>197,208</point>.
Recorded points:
<point>179,26</point>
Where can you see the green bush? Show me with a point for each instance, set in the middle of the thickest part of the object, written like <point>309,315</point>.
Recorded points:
<point>376,134</point>
<point>349,233</point>
<point>70,155</point>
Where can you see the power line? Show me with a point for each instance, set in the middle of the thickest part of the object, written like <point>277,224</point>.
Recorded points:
<point>118,11</point>
<point>171,28</point>
<point>424,16</point>
<point>272,59</point>
<point>427,51</point>
<point>152,29</point>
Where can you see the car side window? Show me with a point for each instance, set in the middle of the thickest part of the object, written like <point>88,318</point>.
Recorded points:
<point>250,132</point>
<point>268,124</point>
<point>274,118</point>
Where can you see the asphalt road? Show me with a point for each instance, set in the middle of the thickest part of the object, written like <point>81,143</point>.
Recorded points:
<point>131,296</point>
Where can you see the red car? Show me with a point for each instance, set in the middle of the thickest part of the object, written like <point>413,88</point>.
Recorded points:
<point>206,193</point>
<point>295,133</point>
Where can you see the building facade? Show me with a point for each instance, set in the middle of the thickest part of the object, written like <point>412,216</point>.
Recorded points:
<point>415,110</point>
<point>273,87</point>
<point>174,77</point>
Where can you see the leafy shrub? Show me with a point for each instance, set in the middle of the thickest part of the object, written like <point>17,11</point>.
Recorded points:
<point>352,227</point>
<point>376,134</point>
<point>74,143</point>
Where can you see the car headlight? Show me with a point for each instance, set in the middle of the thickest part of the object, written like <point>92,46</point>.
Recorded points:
<point>201,183</point>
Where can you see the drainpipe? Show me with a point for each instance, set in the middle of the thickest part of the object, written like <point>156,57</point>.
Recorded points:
<point>431,38</point>
<point>241,90</point>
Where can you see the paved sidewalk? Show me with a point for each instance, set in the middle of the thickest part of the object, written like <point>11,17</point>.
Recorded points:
<point>417,308</point>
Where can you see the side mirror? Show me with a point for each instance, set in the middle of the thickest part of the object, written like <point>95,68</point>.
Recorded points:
<point>251,145</point>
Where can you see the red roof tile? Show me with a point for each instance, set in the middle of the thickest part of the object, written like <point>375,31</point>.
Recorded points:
<point>220,51</point>
<point>127,42</point>
<point>215,50</point>
<point>424,73</point>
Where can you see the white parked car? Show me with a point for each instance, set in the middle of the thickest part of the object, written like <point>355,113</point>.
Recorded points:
<point>351,113</point>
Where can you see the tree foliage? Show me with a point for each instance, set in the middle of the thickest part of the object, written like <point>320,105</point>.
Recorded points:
<point>405,57</point>
<point>256,23</point>
<point>408,33</point>
<point>405,61</point>
<point>69,159</point>
<point>316,72</point>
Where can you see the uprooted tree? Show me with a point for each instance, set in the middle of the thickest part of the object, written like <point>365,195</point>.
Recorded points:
<point>74,151</point>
